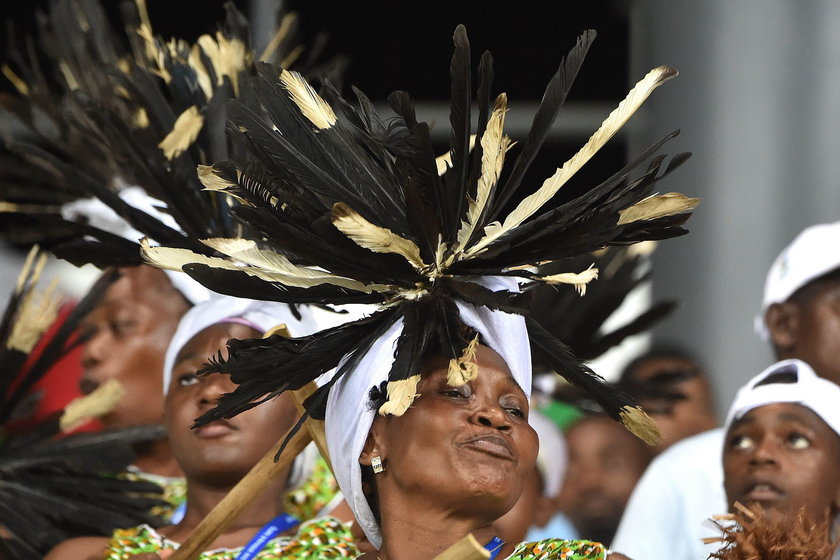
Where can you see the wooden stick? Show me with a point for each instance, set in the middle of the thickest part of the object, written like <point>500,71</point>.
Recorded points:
<point>221,516</point>
<point>466,549</point>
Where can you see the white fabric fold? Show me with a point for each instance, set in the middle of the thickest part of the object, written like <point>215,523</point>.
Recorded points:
<point>100,215</point>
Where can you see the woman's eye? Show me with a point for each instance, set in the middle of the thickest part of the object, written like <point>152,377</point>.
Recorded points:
<point>798,441</point>
<point>515,411</point>
<point>187,379</point>
<point>121,327</point>
<point>740,442</point>
<point>461,392</point>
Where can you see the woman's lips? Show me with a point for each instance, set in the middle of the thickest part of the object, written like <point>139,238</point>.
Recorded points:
<point>493,445</point>
<point>215,429</point>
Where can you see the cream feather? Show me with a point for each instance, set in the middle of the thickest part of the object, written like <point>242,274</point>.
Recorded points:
<point>641,425</point>
<point>278,266</point>
<point>170,258</point>
<point>494,145</point>
<point>657,206</point>
<point>308,101</point>
<point>464,369</point>
<point>38,309</point>
<point>286,25</point>
<point>95,405</point>
<point>401,395</point>
<point>203,77</point>
<point>211,180</point>
<point>16,80</point>
<point>444,161</point>
<point>186,130</point>
<point>578,280</point>
<point>373,237</point>
<point>549,188</point>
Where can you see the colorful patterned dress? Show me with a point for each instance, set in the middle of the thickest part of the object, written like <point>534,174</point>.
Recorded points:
<point>307,501</point>
<point>318,539</point>
<point>559,549</point>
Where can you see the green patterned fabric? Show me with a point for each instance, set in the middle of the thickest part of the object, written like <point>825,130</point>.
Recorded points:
<point>557,549</point>
<point>174,490</point>
<point>305,502</point>
<point>319,539</point>
<point>308,500</point>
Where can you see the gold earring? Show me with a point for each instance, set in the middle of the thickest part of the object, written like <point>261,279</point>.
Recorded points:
<point>376,463</point>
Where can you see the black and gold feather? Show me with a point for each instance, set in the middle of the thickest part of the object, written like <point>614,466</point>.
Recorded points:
<point>105,109</point>
<point>356,208</point>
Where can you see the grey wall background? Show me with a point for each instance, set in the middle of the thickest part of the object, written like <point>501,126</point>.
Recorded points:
<point>758,102</point>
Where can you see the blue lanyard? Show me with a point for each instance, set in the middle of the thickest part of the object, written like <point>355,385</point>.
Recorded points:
<point>276,526</point>
<point>494,546</point>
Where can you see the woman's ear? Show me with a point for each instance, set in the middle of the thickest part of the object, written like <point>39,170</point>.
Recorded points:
<point>374,444</point>
<point>782,321</point>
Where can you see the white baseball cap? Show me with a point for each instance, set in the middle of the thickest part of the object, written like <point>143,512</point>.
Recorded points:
<point>814,253</point>
<point>795,382</point>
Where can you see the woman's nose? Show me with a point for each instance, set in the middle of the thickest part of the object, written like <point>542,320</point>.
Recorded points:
<point>212,387</point>
<point>491,416</point>
<point>95,348</point>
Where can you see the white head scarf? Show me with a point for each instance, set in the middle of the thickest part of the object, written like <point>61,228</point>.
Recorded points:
<point>801,385</point>
<point>259,315</point>
<point>102,216</point>
<point>349,414</point>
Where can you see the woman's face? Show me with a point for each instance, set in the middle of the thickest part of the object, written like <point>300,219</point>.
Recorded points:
<point>222,452</point>
<point>462,448</point>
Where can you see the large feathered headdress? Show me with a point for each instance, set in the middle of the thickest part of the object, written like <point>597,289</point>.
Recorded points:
<point>54,486</point>
<point>101,145</point>
<point>357,209</point>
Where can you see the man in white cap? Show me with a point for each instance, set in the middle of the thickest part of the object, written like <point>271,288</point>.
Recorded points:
<point>683,487</point>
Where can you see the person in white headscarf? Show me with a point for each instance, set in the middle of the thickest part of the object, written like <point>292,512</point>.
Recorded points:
<point>457,458</point>
<point>215,456</point>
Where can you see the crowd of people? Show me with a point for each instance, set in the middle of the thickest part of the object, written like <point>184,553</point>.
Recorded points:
<point>282,264</point>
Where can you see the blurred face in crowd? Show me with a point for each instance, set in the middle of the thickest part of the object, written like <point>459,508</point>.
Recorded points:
<point>691,413</point>
<point>605,462</point>
<point>130,331</point>
<point>785,458</point>
<point>807,326</point>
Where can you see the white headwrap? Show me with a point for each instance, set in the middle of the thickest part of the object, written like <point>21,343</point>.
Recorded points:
<point>260,315</point>
<point>349,414</point>
<point>102,216</point>
<point>805,388</point>
<point>553,456</point>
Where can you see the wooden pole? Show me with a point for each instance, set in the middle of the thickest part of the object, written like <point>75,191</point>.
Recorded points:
<point>466,549</point>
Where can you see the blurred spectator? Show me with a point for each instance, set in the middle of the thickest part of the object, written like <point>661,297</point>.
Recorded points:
<point>800,318</point>
<point>538,504</point>
<point>673,387</point>
<point>605,462</point>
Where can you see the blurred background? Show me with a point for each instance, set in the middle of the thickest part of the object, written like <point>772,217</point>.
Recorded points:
<point>757,101</point>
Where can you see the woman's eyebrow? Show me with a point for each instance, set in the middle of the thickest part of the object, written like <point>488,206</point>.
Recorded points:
<point>184,357</point>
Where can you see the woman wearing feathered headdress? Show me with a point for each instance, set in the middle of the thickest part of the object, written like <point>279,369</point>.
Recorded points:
<point>433,385</point>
